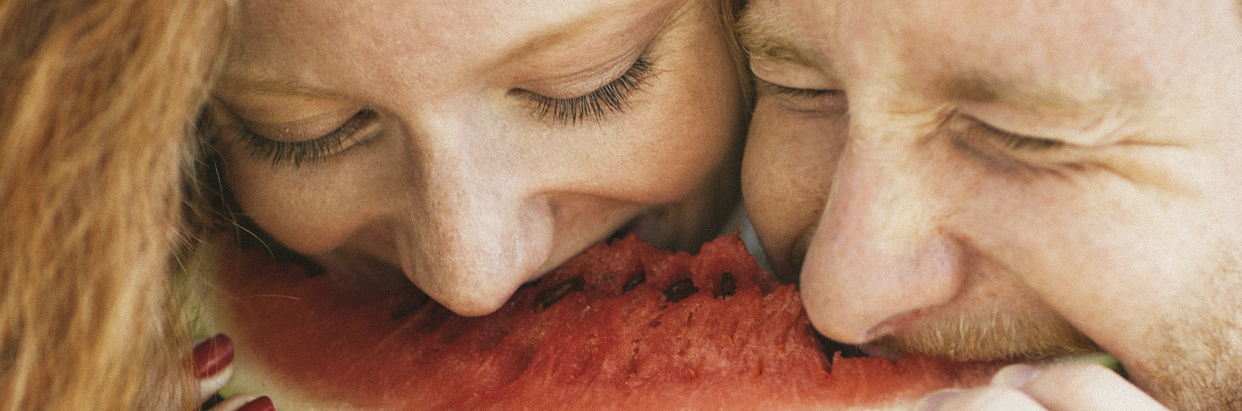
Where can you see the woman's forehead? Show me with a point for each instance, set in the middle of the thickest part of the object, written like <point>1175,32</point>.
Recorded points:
<point>433,24</point>
<point>310,41</point>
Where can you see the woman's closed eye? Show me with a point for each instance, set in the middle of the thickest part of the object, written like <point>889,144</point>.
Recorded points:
<point>611,98</point>
<point>296,153</point>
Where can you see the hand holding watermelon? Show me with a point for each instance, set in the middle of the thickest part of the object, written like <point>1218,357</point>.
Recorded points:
<point>1077,386</point>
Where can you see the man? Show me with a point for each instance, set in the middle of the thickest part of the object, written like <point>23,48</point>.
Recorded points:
<point>1010,180</point>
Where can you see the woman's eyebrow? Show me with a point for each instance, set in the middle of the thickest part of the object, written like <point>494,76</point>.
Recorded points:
<point>613,18</point>
<point>631,14</point>
<point>251,84</point>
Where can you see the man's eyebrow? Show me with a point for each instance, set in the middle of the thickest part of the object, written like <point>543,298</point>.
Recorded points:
<point>763,37</point>
<point>1027,91</point>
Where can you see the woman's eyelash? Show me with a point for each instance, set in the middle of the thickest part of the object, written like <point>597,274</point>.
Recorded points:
<point>612,97</point>
<point>296,153</point>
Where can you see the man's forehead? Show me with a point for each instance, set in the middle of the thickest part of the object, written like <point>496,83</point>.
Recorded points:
<point>1089,50</point>
<point>1073,52</point>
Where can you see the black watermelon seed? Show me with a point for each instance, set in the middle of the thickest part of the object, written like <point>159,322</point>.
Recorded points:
<point>679,290</point>
<point>728,285</point>
<point>409,305</point>
<point>554,294</point>
<point>527,285</point>
<point>634,282</point>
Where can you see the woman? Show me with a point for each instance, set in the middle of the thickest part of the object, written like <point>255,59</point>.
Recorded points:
<point>94,102</point>
<point>470,148</point>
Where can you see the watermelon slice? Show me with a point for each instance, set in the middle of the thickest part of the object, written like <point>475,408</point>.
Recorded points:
<point>622,326</point>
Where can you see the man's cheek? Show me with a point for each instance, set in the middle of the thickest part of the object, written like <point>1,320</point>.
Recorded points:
<point>787,175</point>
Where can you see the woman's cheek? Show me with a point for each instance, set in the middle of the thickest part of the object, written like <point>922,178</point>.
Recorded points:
<point>692,140</point>
<point>310,210</point>
<point>691,123</point>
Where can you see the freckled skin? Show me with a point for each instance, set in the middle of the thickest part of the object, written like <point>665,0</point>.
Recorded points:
<point>1017,177</point>
<point>458,182</point>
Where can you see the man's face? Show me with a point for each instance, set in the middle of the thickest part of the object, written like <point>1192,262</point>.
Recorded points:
<point>1008,180</point>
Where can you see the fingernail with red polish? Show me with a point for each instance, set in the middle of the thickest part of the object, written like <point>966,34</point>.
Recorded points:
<point>259,404</point>
<point>212,356</point>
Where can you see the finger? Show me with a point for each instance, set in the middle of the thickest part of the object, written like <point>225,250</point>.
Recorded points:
<point>1077,387</point>
<point>245,403</point>
<point>213,365</point>
<point>992,397</point>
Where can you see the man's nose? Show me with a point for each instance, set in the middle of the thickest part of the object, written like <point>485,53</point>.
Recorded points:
<point>880,254</point>
<point>477,227</point>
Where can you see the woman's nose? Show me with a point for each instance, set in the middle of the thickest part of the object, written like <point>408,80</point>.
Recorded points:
<point>476,227</point>
<point>879,255</point>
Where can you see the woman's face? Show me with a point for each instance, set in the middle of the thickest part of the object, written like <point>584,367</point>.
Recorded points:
<point>473,146</point>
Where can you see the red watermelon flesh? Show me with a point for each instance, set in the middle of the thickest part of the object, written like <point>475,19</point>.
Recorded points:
<point>740,342</point>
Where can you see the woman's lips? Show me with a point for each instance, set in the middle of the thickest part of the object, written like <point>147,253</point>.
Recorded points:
<point>645,225</point>
<point>363,273</point>
<point>651,226</point>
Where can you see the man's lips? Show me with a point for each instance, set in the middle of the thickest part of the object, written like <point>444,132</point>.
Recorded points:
<point>978,337</point>
<point>894,323</point>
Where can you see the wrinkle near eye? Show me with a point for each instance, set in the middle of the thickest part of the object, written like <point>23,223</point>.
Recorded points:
<point>998,148</point>
<point>965,124</point>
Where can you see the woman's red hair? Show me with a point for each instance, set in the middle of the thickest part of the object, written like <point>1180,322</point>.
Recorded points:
<point>96,101</point>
